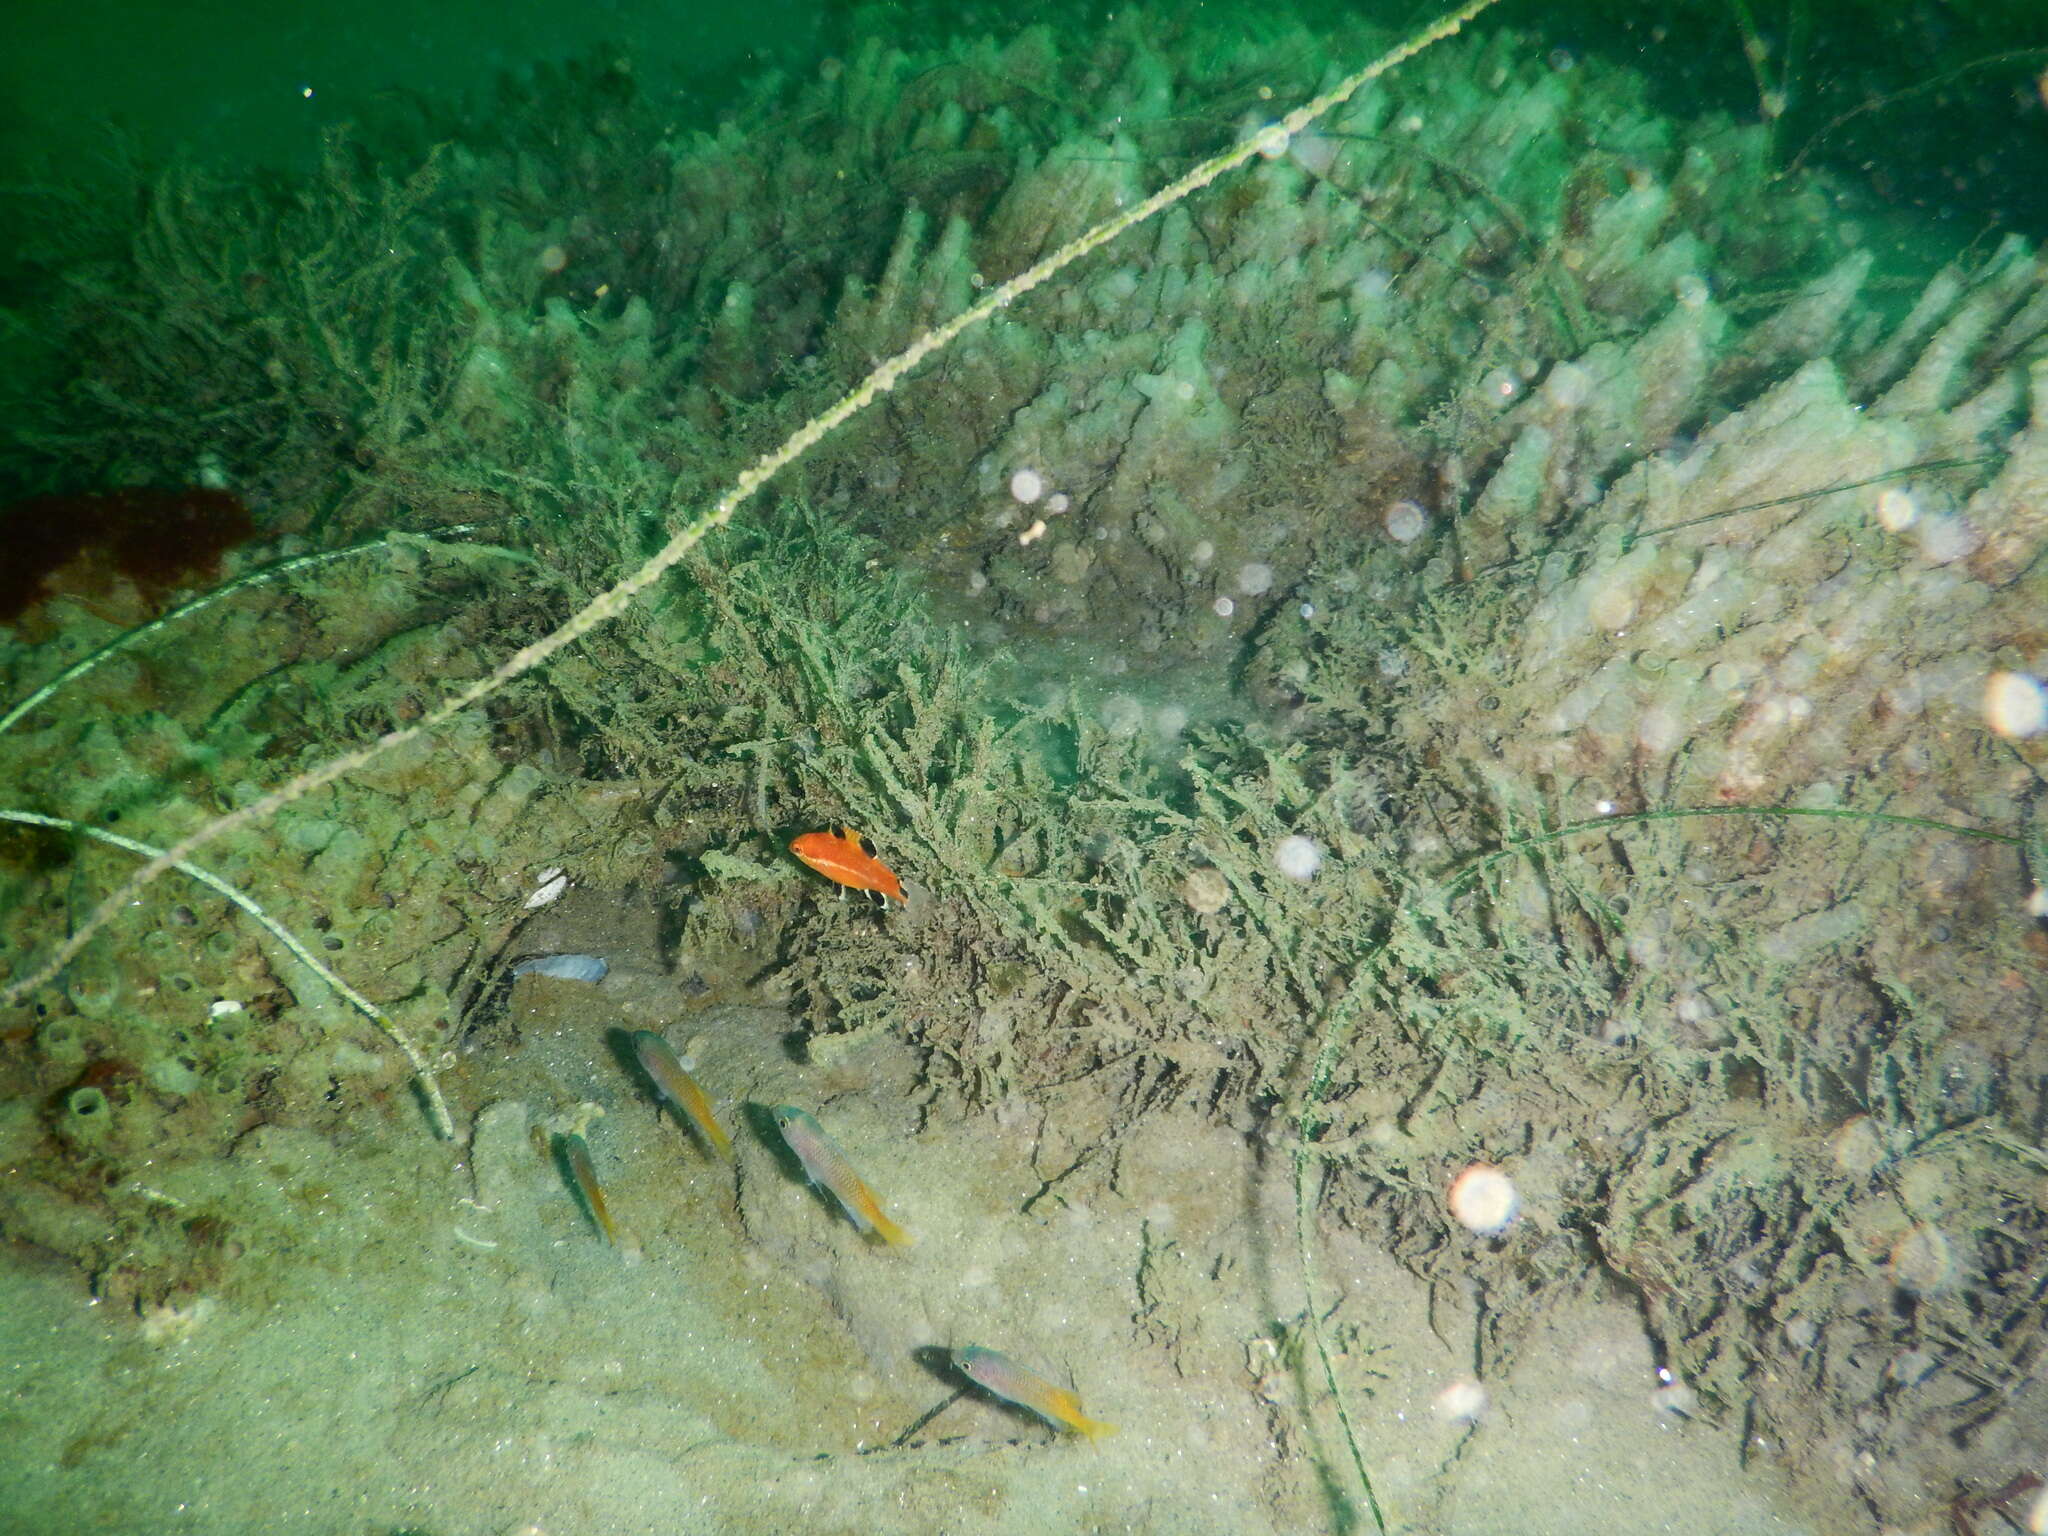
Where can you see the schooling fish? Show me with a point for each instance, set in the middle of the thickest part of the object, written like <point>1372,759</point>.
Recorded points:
<point>848,858</point>
<point>685,1098</point>
<point>577,1155</point>
<point>1019,1384</point>
<point>829,1169</point>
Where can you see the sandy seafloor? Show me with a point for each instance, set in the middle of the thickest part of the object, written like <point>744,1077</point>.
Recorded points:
<point>429,1339</point>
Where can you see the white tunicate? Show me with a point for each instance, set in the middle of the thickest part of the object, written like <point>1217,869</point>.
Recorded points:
<point>1070,562</point>
<point>1568,386</point>
<point>1224,607</point>
<point>1483,1199</point>
<point>1922,1261</point>
<point>1272,141</point>
<point>1297,857</point>
<point>1314,152</point>
<point>1462,1402</point>
<point>1675,1397</point>
<point>1027,485</point>
<point>1912,1367</point>
<point>1202,553</point>
<point>1373,285</point>
<point>977,583</point>
<point>1171,720</point>
<point>1254,578</point>
<point>1857,1147</point>
<point>1405,522</point>
<point>2037,901</point>
<point>1122,715</point>
<point>1393,663</point>
<point>1057,503</point>
<point>1896,509</point>
<point>2015,706</point>
<point>167,1074</point>
<point>1691,291</point>
<point>1205,890</point>
<point>1308,610</point>
<point>1659,731</point>
<point>1499,385</point>
<point>1726,676</point>
<point>1945,540</point>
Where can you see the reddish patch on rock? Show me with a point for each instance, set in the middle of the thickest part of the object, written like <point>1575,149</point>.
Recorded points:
<point>88,546</point>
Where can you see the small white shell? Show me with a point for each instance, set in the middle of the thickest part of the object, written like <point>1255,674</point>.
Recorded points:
<point>552,883</point>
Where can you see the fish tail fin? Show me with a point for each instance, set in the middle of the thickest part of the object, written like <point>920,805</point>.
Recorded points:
<point>889,1232</point>
<point>720,1142</point>
<point>1092,1429</point>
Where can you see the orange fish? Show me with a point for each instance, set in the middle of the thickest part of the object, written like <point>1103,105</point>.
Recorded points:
<point>848,858</point>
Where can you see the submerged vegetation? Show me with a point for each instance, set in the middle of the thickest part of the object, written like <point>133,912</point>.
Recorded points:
<point>1500,684</point>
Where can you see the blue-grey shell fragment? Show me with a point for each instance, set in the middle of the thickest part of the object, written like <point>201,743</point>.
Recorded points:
<point>563,967</point>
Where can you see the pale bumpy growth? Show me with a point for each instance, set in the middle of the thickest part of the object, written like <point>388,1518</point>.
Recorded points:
<point>612,603</point>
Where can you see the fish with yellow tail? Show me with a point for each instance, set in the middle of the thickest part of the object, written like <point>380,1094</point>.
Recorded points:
<point>576,1154</point>
<point>1013,1383</point>
<point>827,1167</point>
<point>686,1097</point>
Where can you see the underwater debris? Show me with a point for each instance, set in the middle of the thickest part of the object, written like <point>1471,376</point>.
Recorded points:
<point>550,884</point>
<point>85,546</point>
<point>564,967</point>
